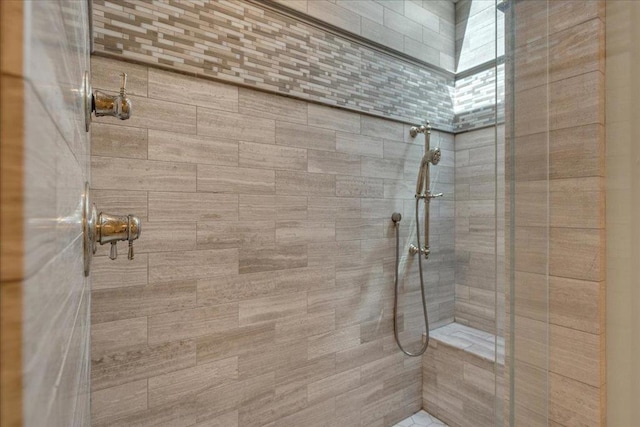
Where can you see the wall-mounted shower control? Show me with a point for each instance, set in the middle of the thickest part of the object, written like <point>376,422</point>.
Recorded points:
<point>102,104</point>
<point>106,228</point>
<point>118,106</point>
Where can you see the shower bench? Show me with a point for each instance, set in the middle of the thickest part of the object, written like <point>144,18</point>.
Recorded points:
<point>460,376</point>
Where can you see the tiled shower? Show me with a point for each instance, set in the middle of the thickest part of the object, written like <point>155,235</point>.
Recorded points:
<point>268,146</point>
<point>274,287</point>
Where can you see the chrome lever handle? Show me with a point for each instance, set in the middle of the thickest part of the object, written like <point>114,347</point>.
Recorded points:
<point>104,228</point>
<point>433,196</point>
<point>113,252</point>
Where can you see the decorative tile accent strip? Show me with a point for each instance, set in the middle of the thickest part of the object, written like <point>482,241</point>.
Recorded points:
<point>474,101</point>
<point>245,44</point>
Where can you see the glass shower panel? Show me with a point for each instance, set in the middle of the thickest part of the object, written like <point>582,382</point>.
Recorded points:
<point>527,213</point>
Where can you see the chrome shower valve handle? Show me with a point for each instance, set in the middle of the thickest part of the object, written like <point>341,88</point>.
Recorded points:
<point>106,228</point>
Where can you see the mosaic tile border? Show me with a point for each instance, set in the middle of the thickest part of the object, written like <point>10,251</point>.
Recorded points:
<point>474,101</point>
<point>245,44</point>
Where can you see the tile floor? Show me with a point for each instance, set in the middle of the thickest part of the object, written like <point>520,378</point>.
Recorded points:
<point>421,419</point>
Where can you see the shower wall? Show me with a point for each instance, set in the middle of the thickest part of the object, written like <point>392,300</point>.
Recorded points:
<point>262,287</point>
<point>421,29</point>
<point>242,42</point>
<point>556,143</point>
<point>272,292</point>
<point>479,228</point>
<point>479,166</point>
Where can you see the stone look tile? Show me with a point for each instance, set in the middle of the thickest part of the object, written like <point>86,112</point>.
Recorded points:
<point>110,172</point>
<point>227,125</point>
<point>256,242</point>
<point>178,147</point>
<point>190,90</point>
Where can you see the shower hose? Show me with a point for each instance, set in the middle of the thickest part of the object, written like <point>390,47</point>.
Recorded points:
<point>395,299</point>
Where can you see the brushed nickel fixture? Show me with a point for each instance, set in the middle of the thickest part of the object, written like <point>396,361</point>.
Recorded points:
<point>102,104</point>
<point>431,157</point>
<point>106,228</point>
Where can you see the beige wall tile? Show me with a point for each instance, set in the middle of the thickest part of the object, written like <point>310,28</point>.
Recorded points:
<point>121,201</point>
<point>563,16</point>
<point>330,208</point>
<point>140,362</point>
<point>577,101</point>
<point>585,42</point>
<point>178,147</point>
<point>350,186</point>
<point>334,385</point>
<point>268,106</point>
<point>272,308</point>
<point>110,173</point>
<point>107,273</point>
<point>219,179</point>
<point>572,403</point>
<point>359,229</point>
<point>291,232</point>
<point>295,328</point>
<point>291,207</point>
<point>263,156</point>
<point>576,355</point>
<point>131,301</point>
<point>231,234</point>
<point>119,401</point>
<point>235,126</point>
<point>118,141</point>
<point>573,303</point>
<point>303,183</point>
<point>577,253</point>
<point>234,342</point>
<point>108,336</point>
<point>221,290</point>
<point>333,163</point>
<point>577,152</point>
<point>105,75</point>
<point>356,144</point>
<point>577,202</point>
<point>336,15</point>
<point>313,138</point>
<point>333,118</point>
<point>382,128</point>
<point>174,386</point>
<point>192,323</point>
<point>193,91</point>
<point>382,168</point>
<point>381,208</point>
<point>172,266</point>
<point>192,206</point>
<point>272,258</point>
<point>257,207</point>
